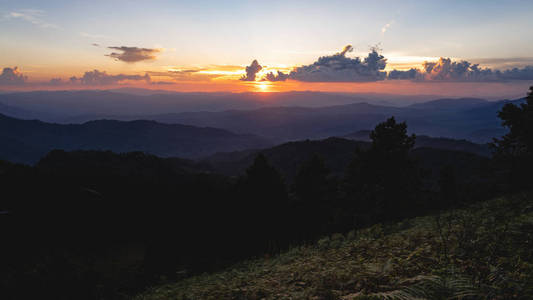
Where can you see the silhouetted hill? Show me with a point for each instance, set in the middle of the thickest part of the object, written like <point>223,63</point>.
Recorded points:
<point>337,154</point>
<point>27,141</point>
<point>434,142</point>
<point>450,104</point>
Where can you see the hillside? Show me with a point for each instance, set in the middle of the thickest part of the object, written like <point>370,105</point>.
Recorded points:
<point>481,252</point>
<point>26,141</point>
<point>434,142</point>
<point>338,152</point>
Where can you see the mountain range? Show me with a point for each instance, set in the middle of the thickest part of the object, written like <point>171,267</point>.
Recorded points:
<point>27,141</point>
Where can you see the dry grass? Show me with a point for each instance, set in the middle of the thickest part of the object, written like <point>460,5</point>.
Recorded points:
<point>482,252</point>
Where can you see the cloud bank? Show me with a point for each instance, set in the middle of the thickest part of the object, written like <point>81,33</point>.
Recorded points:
<point>273,77</point>
<point>460,71</point>
<point>339,68</point>
<point>251,71</point>
<point>133,54</point>
<point>96,77</point>
<point>12,76</point>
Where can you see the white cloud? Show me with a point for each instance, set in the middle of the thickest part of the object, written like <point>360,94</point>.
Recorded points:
<point>33,16</point>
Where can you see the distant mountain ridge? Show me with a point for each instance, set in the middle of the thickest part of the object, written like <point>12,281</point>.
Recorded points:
<point>470,119</point>
<point>27,140</point>
<point>424,141</point>
<point>280,117</point>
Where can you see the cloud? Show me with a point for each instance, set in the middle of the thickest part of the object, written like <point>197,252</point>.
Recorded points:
<point>12,76</point>
<point>32,16</point>
<point>505,63</point>
<point>251,71</point>
<point>133,54</point>
<point>410,74</point>
<point>386,27</point>
<point>56,81</point>
<point>461,71</point>
<point>279,77</point>
<point>162,82</point>
<point>187,74</point>
<point>525,73</point>
<point>339,68</point>
<point>96,77</point>
<point>95,44</point>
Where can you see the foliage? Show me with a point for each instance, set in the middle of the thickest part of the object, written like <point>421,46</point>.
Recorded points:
<point>516,147</point>
<point>488,257</point>
<point>383,182</point>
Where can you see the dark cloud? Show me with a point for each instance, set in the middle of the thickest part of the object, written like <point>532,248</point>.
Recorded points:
<point>56,81</point>
<point>102,78</point>
<point>133,54</point>
<point>273,77</point>
<point>410,74</point>
<point>525,73</point>
<point>96,44</point>
<point>461,71</point>
<point>12,76</point>
<point>251,71</point>
<point>339,68</point>
<point>162,82</point>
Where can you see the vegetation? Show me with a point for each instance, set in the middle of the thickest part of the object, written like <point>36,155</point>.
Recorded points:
<point>480,252</point>
<point>515,149</point>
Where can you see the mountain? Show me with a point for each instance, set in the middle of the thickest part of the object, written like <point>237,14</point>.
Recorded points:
<point>450,104</point>
<point>462,119</point>
<point>279,116</point>
<point>337,154</point>
<point>27,140</point>
<point>85,105</point>
<point>433,142</point>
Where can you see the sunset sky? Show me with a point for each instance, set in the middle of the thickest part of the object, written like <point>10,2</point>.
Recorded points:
<point>207,45</point>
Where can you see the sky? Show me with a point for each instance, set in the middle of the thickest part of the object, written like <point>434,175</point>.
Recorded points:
<point>210,45</point>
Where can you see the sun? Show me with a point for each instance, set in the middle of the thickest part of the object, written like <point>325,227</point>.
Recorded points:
<point>262,86</point>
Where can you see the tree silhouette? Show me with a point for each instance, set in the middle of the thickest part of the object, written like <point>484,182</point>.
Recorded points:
<point>314,192</point>
<point>391,139</point>
<point>264,198</point>
<point>516,147</point>
<point>382,182</point>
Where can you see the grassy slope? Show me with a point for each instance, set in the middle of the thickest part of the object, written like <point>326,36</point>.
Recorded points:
<point>482,252</point>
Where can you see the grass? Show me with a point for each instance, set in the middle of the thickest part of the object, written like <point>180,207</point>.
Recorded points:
<point>481,252</point>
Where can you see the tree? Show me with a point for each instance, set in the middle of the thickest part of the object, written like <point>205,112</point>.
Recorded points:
<point>391,139</point>
<point>264,198</point>
<point>516,147</point>
<point>519,121</point>
<point>383,181</point>
<point>448,185</point>
<point>314,192</point>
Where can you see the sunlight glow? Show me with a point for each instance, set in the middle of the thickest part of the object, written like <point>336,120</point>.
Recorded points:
<point>262,86</point>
